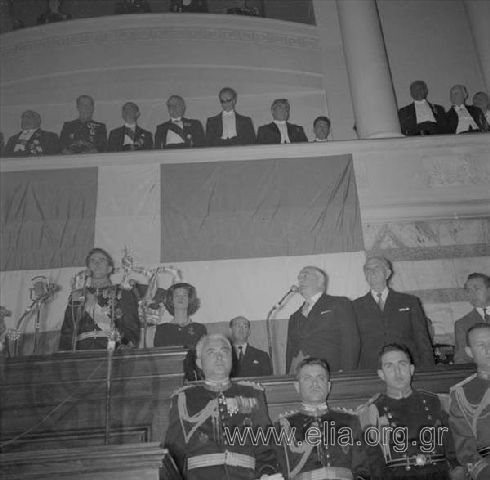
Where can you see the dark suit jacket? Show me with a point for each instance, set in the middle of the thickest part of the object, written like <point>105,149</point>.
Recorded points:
<point>74,131</point>
<point>460,328</point>
<point>255,363</point>
<point>408,121</point>
<point>452,118</point>
<point>245,133</point>
<point>402,321</point>
<point>41,143</point>
<point>270,133</point>
<point>329,332</point>
<point>193,134</point>
<point>143,140</point>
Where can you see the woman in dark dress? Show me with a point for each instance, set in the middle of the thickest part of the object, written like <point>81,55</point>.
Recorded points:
<point>181,302</point>
<point>98,310</point>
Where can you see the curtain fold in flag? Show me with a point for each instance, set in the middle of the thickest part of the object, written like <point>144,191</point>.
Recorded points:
<point>262,208</point>
<point>239,232</point>
<point>47,218</point>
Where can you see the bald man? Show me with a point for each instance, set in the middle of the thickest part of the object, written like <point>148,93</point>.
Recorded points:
<point>323,327</point>
<point>462,118</point>
<point>179,131</point>
<point>31,140</point>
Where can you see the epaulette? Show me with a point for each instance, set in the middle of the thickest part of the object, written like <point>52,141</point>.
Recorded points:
<point>463,382</point>
<point>428,393</point>
<point>365,405</point>
<point>255,385</point>
<point>183,388</point>
<point>349,411</point>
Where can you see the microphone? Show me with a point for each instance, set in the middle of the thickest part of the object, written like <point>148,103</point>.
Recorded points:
<point>293,289</point>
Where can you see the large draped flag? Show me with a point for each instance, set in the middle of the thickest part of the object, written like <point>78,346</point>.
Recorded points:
<point>238,230</point>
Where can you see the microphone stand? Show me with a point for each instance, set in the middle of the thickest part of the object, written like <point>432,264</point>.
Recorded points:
<point>268,322</point>
<point>111,346</point>
<point>269,335</point>
<point>108,386</point>
<point>35,307</point>
<point>36,328</point>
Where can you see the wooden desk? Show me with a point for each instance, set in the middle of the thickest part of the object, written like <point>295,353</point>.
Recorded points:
<point>59,400</point>
<point>124,462</point>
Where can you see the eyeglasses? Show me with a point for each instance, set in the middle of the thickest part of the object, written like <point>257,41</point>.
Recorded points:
<point>226,100</point>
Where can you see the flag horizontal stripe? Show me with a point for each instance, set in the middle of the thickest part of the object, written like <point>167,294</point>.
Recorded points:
<point>264,208</point>
<point>227,288</point>
<point>47,218</point>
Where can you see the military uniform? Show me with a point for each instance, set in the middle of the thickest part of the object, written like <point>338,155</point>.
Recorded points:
<point>203,421</point>
<point>114,307</point>
<point>84,137</point>
<point>406,454</point>
<point>330,455</point>
<point>470,422</point>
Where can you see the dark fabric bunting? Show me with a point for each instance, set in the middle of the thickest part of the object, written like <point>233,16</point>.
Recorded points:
<point>47,218</point>
<point>262,208</point>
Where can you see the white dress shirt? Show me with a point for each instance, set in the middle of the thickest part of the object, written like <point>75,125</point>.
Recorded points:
<point>481,311</point>
<point>423,112</point>
<point>24,137</point>
<point>237,348</point>
<point>309,304</point>
<point>172,137</point>
<point>384,295</point>
<point>465,120</point>
<point>229,125</point>
<point>127,138</point>
<point>283,129</point>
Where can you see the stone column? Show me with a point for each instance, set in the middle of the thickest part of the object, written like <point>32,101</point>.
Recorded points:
<point>371,88</point>
<point>479,16</point>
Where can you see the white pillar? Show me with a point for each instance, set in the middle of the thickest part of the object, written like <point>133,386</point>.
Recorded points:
<point>372,92</point>
<point>479,16</point>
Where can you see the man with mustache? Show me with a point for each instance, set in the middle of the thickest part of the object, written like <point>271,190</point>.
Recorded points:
<point>206,417</point>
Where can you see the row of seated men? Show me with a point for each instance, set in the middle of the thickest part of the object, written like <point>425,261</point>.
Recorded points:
<point>421,117</point>
<point>56,11</point>
<point>347,334</point>
<point>220,428</point>
<point>85,135</point>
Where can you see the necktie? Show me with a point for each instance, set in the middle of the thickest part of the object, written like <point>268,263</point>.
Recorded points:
<point>240,355</point>
<point>381,304</point>
<point>486,315</point>
<point>306,307</point>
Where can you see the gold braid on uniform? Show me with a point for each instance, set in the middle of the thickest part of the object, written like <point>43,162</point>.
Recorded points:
<point>210,410</point>
<point>304,448</point>
<point>471,411</point>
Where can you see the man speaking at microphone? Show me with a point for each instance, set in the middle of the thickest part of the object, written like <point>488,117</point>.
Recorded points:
<point>323,327</point>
